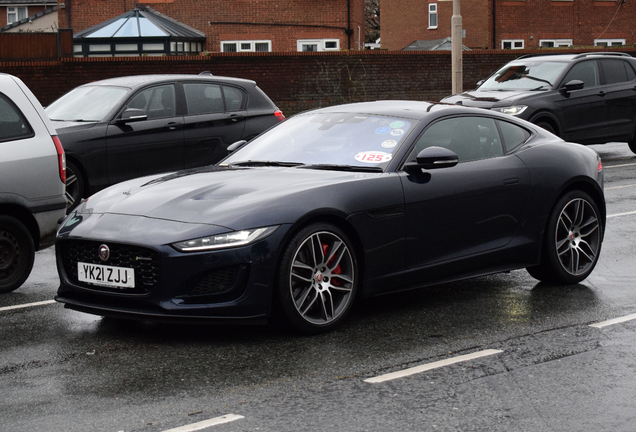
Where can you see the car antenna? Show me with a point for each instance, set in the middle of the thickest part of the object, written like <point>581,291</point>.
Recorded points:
<point>206,73</point>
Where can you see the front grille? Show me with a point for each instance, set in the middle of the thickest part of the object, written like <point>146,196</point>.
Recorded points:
<point>146,262</point>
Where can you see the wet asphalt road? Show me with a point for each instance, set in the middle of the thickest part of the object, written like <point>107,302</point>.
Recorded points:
<point>65,371</point>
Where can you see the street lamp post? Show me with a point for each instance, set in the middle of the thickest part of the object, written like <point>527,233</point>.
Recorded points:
<point>456,38</point>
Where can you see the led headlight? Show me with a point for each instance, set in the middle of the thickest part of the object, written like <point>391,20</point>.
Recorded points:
<point>222,241</point>
<point>512,110</point>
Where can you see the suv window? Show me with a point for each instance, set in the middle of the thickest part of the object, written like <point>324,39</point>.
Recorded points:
<point>471,138</point>
<point>616,71</point>
<point>13,125</point>
<point>586,71</point>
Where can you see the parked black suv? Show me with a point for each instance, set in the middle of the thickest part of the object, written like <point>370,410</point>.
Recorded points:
<point>585,98</point>
<point>121,128</point>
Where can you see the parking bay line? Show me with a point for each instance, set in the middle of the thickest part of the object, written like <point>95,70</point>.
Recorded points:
<point>621,214</point>
<point>26,305</point>
<point>207,423</point>
<point>429,366</point>
<point>620,187</point>
<point>618,166</point>
<point>618,320</point>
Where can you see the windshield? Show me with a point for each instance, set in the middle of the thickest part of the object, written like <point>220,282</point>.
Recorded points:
<point>86,103</point>
<point>342,139</point>
<point>527,75</point>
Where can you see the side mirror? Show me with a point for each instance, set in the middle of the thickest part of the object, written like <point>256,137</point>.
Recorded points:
<point>235,146</point>
<point>572,85</point>
<point>133,115</point>
<point>433,158</point>
<point>480,82</point>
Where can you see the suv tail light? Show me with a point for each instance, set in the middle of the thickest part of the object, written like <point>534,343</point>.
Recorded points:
<point>61,158</point>
<point>279,115</point>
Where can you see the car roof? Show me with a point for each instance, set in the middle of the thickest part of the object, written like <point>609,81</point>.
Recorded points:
<point>570,57</point>
<point>135,81</point>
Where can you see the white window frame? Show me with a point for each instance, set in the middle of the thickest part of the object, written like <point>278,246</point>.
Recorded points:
<point>557,43</point>
<point>252,45</point>
<point>432,12</point>
<point>609,42</point>
<point>15,11</point>
<point>321,44</point>
<point>513,43</point>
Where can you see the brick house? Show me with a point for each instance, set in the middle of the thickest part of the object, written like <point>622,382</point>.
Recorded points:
<point>511,24</point>
<point>14,11</point>
<point>241,25</point>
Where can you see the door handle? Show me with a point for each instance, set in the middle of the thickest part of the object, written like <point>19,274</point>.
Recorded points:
<point>511,181</point>
<point>236,117</point>
<point>174,125</point>
<point>602,93</point>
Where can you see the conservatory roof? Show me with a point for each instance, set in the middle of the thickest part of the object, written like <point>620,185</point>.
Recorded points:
<point>140,22</point>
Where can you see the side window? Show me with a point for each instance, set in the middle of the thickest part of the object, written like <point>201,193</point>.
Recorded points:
<point>157,101</point>
<point>586,71</point>
<point>233,98</point>
<point>614,71</point>
<point>203,98</point>
<point>513,136</point>
<point>471,138</point>
<point>13,125</point>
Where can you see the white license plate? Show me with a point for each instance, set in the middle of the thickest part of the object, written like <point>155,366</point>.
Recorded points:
<point>104,275</point>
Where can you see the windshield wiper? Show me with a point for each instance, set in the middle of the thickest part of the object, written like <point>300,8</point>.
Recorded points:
<point>258,163</point>
<point>335,167</point>
<point>539,88</point>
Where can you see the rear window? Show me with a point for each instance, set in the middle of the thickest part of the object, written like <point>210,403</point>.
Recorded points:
<point>13,125</point>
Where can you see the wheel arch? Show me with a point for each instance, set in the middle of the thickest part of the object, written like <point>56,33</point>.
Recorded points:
<point>26,217</point>
<point>547,117</point>
<point>593,191</point>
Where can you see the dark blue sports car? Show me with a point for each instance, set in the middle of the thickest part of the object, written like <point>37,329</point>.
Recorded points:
<point>332,205</point>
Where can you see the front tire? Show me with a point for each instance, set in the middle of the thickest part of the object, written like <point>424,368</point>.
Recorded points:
<point>547,126</point>
<point>317,279</point>
<point>74,186</point>
<point>17,254</point>
<point>632,145</point>
<point>572,242</point>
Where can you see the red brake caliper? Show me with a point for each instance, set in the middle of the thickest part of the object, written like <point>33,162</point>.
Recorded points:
<point>337,270</point>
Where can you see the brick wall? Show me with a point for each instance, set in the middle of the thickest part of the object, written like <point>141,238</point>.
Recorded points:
<point>295,81</point>
<point>288,20</point>
<point>404,21</point>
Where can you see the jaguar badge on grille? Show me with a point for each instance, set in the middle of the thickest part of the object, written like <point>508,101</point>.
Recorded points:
<point>104,252</point>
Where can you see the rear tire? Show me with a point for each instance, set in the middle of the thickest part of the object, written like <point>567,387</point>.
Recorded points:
<point>317,279</point>
<point>632,145</point>
<point>17,254</point>
<point>572,241</point>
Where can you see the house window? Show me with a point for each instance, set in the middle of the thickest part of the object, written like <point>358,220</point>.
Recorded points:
<point>609,42</point>
<point>246,46</point>
<point>432,15</point>
<point>318,45</point>
<point>512,44</point>
<point>15,14</point>
<point>555,43</point>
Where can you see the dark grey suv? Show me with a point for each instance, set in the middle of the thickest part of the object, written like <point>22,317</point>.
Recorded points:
<point>121,128</point>
<point>585,98</point>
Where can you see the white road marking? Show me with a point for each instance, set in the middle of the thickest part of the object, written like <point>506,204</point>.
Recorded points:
<point>434,365</point>
<point>621,214</point>
<point>206,423</point>
<point>616,166</point>
<point>620,187</point>
<point>26,305</point>
<point>614,321</point>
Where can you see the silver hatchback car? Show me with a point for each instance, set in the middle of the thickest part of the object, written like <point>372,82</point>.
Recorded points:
<point>32,178</point>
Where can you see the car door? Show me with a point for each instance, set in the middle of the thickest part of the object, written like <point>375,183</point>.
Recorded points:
<point>620,93</point>
<point>215,119</point>
<point>468,209</point>
<point>150,146</point>
<point>583,113</point>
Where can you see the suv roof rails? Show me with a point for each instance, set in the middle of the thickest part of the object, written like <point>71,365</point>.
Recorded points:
<point>603,53</point>
<point>600,53</point>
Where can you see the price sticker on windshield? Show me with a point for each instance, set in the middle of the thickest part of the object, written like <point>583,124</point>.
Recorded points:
<point>373,157</point>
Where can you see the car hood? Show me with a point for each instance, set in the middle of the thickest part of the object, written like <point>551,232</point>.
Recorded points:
<point>487,99</point>
<point>229,197</point>
<point>67,126</point>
